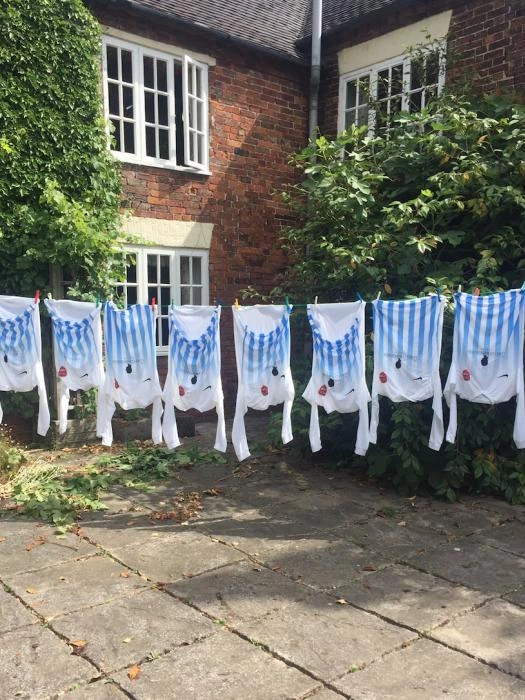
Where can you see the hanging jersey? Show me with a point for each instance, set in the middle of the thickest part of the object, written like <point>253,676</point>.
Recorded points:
<point>194,369</point>
<point>407,351</point>
<point>338,367</point>
<point>132,379</point>
<point>77,345</point>
<point>21,353</point>
<point>487,355</point>
<point>262,352</point>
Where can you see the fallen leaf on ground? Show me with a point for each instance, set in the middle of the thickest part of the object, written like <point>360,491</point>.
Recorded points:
<point>80,643</point>
<point>2,539</point>
<point>134,672</point>
<point>277,567</point>
<point>402,523</point>
<point>124,574</point>
<point>127,640</point>
<point>369,567</point>
<point>217,491</point>
<point>31,590</point>
<point>37,542</point>
<point>342,601</point>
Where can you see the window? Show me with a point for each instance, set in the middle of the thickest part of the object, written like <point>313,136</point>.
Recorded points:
<point>157,106</point>
<point>374,96</point>
<point>179,276</point>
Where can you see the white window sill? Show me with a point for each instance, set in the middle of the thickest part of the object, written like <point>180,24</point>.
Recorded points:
<point>163,165</point>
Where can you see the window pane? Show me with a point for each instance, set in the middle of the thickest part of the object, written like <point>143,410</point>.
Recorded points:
<point>112,61</point>
<point>131,295</point>
<point>152,294</point>
<point>198,73</point>
<point>149,80</point>
<point>200,116</point>
<point>197,295</point>
<point>127,101</point>
<point>185,295</point>
<point>395,106</point>
<point>190,78</point>
<point>164,144</point>
<point>162,76</point>
<point>114,103</point>
<point>162,107</point>
<point>131,268</point>
<point>351,94</point>
<point>416,74</point>
<point>349,118</point>
<point>151,146</point>
<point>200,148</point>
<point>197,277</point>
<point>149,106</point>
<point>415,102</point>
<point>364,90</point>
<point>152,268</point>
<point>397,80</point>
<point>164,269</point>
<point>129,137</point>
<point>119,291</point>
<point>185,270</point>
<point>165,299</point>
<point>362,116</point>
<point>127,68</point>
<point>116,134</point>
<point>382,84</point>
<point>192,146</point>
<point>165,331</point>
<point>432,68</point>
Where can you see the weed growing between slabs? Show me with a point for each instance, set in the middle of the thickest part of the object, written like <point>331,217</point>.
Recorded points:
<point>56,494</point>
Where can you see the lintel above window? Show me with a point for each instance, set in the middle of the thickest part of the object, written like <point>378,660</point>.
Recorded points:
<point>156,105</point>
<point>373,96</point>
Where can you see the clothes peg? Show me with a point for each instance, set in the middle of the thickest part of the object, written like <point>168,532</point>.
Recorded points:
<point>378,295</point>
<point>459,289</point>
<point>360,298</point>
<point>37,296</point>
<point>236,305</point>
<point>97,300</point>
<point>315,301</point>
<point>49,295</point>
<point>153,302</point>
<point>286,302</point>
<point>438,292</point>
<point>476,292</point>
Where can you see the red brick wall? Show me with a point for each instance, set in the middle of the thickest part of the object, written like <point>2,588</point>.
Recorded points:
<point>258,117</point>
<point>486,46</point>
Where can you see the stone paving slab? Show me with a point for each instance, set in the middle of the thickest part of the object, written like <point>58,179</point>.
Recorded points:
<point>324,637</point>
<point>323,511</point>
<point>473,564</point>
<point>510,537</point>
<point>99,690</point>
<point>451,519</point>
<point>322,562</point>
<point>74,585</point>
<point>429,670</point>
<point>111,531</point>
<point>128,629</point>
<point>410,597</point>
<point>13,614</point>
<point>495,633</point>
<point>177,556</point>
<point>325,694</point>
<point>222,667</point>
<point>241,591</point>
<point>35,663</point>
<point>517,597</point>
<point>254,533</point>
<point>31,546</point>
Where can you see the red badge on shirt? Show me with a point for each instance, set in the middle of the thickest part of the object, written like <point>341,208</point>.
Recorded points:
<point>264,390</point>
<point>62,372</point>
<point>117,385</point>
<point>383,378</point>
<point>182,390</point>
<point>466,375</point>
<point>323,390</point>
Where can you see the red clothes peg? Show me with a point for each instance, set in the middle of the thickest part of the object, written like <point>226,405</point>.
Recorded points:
<point>476,292</point>
<point>37,296</point>
<point>153,302</point>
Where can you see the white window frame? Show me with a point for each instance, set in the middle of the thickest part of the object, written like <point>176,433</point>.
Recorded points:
<point>371,73</point>
<point>187,63</point>
<point>141,255</point>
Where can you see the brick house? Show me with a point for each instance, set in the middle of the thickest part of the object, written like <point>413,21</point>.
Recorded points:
<point>208,101</point>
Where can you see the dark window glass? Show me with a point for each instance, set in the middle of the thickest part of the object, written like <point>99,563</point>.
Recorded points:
<point>383,78</point>
<point>432,68</point>
<point>165,331</point>
<point>112,62</point>
<point>185,295</point>
<point>351,94</point>
<point>149,80</point>
<point>129,137</point>
<point>165,299</point>
<point>116,134</point>
<point>162,109</point>
<point>162,77</point>
<point>127,67</point>
<point>196,264</point>
<point>415,102</point>
<point>149,106</point>
<point>184,269</point>
<point>127,101</point>
<point>151,147</point>
<point>197,295</point>
<point>397,80</point>
<point>416,73</point>
<point>152,268</point>
<point>152,294</point>
<point>131,268</point>
<point>164,269</point>
<point>132,295</point>
<point>114,103</point>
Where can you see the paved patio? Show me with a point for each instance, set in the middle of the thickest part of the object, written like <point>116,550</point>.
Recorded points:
<point>294,582</point>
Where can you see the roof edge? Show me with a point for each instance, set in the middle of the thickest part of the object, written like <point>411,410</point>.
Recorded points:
<point>218,33</point>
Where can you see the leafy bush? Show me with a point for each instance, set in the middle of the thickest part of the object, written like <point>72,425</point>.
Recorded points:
<point>437,202</point>
<point>59,185</point>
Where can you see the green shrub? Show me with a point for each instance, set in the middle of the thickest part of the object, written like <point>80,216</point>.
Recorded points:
<point>437,202</point>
